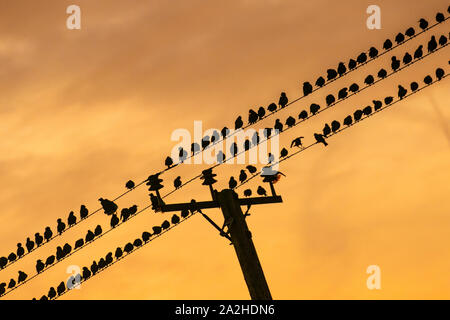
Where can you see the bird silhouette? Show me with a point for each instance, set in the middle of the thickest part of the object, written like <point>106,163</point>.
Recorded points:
<point>423,24</point>
<point>388,100</point>
<point>220,157</point>
<point>98,230</point>
<point>290,121</point>
<point>89,236</point>
<point>225,132</point>
<point>22,277</point>
<point>442,40</point>
<point>216,136</point>
<point>278,126</point>
<point>342,94</point>
<point>83,212</point>
<point>432,44</point>
<point>195,147</point>
<point>268,132</point>
<point>61,226</point>
<point>168,162</point>
<point>341,69</point>
<point>407,58</point>
<point>395,63</point>
<point>382,73</point>
<point>61,288</point>
<point>255,138</point>
<point>367,110</point>
<point>272,107</point>
<point>418,53</point>
<point>232,183</point>
<point>440,73</point>
<point>283,101</point>
<point>414,86</point>
<point>399,38</point>
<point>20,250</point>
<point>3,262</point>
<point>252,116</point>
<point>119,252</point>
<point>146,236</point>
<point>234,149</point>
<point>175,219</point>
<point>353,87</point>
<point>320,138</point>
<point>94,267</point>
<point>177,182</point>
<point>357,115</point>
<point>29,244</point>
<point>242,176</point>
<point>401,92</point>
<point>410,32</point>
<point>369,80</point>
<point>330,99</point>
<point>297,142</point>
<point>428,80</point>
<point>109,207</point>
<point>251,169</point>
<point>67,249</point>
<point>335,125</point>
<point>48,234</point>
<point>39,266</point>
<point>101,263</point>
<point>205,142</point>
<point>165,225</point>
<point>114,221</point>
<point>79,243</point>
<point>373,52</point>
<point>352,64</point>
<point>377,104</point>
<point>50,260</point>
<point>320,82</point>
<point>86,273</point>
<point>270,158</point>
<point>331,74</point>
<point>12,257</point>
<point>238,123</point>
<point>247,193</point>
<point>184,213</point>
<point>51,293</point>
<point>348,120</point>
<point>109,258</point>
<point>59,253</point>
<point>303,115</point>
<point>283,153</point>
<point>307,88</point>
<point>129,247</point>
<point>362,58</point>
<point>387,45</point>
<point>313,109</point>
<point>326,130</point>
<point>12,284</point>
<point>71,219</point>
<point>261,191</point>
<point>182,154</point>
<point>440,17</point>
<point>261,112</point>
<point>125,213</point>
<point>38,239</point>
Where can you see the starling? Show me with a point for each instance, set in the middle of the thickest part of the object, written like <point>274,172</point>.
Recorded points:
<point>428,80</point>
<point>89,236</point>
<point>283,153</point>
<point>29,244</point>
<point>352,64</point>
<point>238,123</point>
<point>290,122</point>
<point>440,17</point>
<point>314,108</point>
<point>278,126</point>
<point>138,242</point>
<point>61,226</point>
<point>407,58</point>
<point>362,58</point>
<point>442,40</point>
<point>341,69</point>
<point>145,236</point>
<point>177,182</point>
<point>168,163</point>
<point>401,92</point>
<point>225,132</point>
<point>348,120</point>
<point>369,80</point>
<point>414,86</point>
<point>83,212</point>
<point>283,101</point>
<point>232,183</point>
<point>353,88</point>
<point>357,115</point>
<point>410,32</point>
<point>373,52</point>
<point>320,139</point>
<point>272,107</point>
<point>48,234</point>
<point>261,191</point>
<point>395,63</point>
<point>114,220</point>
<point>335,125</point>
<point>377,104</point>
<point>21,251</point>
<point>297,142</point>
<point>39,266</point>
<point>330,99</point>
<point>342,94</point>
<point>38,239</point>
<point>261,112</point>
<point>388,100</point>
<point>423,24</point>
<point>175,219</point>
<point>50,260</point>
<point>303,115</point>
<point>129,247</point>
<point>367,110</point>
<point>382,73</point>
<point>326,130</point>
<point>242,176</point>
<point>252,117</point>
<point>71,220</point>
<point>440,73</point>
<point>320,82</point>
<point>307,88</point>
<point>22,277</point>
<point>51,293</point>
<point>251,169</point>
<point>247,193</point>
<point>418,53</point>
<point>399,38</point>
<point>79,243</point>
<point>432,44</point>
<point>331,74</point>
<point>387,44</point>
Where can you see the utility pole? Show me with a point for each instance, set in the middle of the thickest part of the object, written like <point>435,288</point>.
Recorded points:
<point>237,230</point>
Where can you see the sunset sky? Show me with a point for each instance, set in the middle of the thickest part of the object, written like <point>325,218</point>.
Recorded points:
<point>83,111</point>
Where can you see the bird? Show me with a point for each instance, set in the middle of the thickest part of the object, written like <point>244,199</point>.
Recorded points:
<point>138,242</point>
<point>440,73</point>
<point>109,207</point>
<point>242,176</point>
<point>109,258</point>
<point>195,147</point>
<point>382,73</point>
<point>283,153</point>
<point>369,80</point>
<point>12,257</point>
<point>247,193</point>
<point>261,112</point>
<point>377,104</point>
<point>61,288</point>
<point>410,32</point>
<point>331,74</point>
<point>414,86</point>
<point>387,44</point>
<point>401,92</point>
<point>432,44</point>
<point>297,142</point>
<point>146,236</point>
<point>407,58</point>
<point>303,114</point>
<point>94,267</point>
<point>67,249</point>
<point>12,283</point>
<point>89,236</point>
<point>440,17</point>
<point>175,219</point>
<point>61,226</point>
<point>182,154</point>
<point>353,87</point>
<point>86,273</point>
<point>168,162</point>
<point>79,243</point>
<point>98,230</point>
<point>283,101</point>
<point>261,191</point>
<point>165,225</point>
<point>255,138</point>
<point>38,239</point>
<point>205,142</point>
<point>3,262</point>
<point>83,212</point>
<point>307,88</point>
<point>352,64</point>
<point>335,125</point>
<point>232,183</point>
<point>238,123</point>
<point>39,266</point>
<point>225,132</point>
<point>177,182</point>
<point>128,247</point>
<point>290,122</point>
<point>114,220</point>
<point>252,116</point>
<point>59,253</point>
<point>48,234</point>
<point>362,58</point>
<point>320,81</point>
<point>330,99</point>
<point>20,250</point>
<point>442,40</point>
<point>118,253</point>
<point>101,263</point>
<point>2,288</point>
<point>367,110</point>
<point>215,136</point>
<point>267,132</point>
<point>51,293</point>
<point>220,157</point>
<point>272,107</point>
<point>399,38</point>
<point>320,139</point>
<point>278,126</point>
<point>357,115</point>
<point>29,245</point>
<point>373,52</point>
<point>22,277</point>
<point>348,120</point>
<point>342,94</point>
<point>71,219</point>
<point>423,24</point>
<point>395,63</point>
<point>428,80</point>
<point>234,149</point>
<point>341,69</point>
<point>313,108</point>
<point>326,130</point>
<point>50,260</point>
<point>418,53</point>
<point>388,100</point>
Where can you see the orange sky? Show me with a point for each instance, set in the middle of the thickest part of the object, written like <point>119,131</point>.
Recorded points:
<point>83,111</point>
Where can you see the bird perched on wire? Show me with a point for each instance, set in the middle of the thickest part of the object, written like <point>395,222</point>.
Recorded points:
<point>168,162</point>
<point>283,101</point>
<point>129,247</point>
<point>98,230</point>
<point>114,220</point>
<point>410,32</point>
<point>261,113</point>
<point>38,239</point>
<point>307,88</point>
<point>175,219</point>
<point>440,17</point>
<point>352,64</point>
<point>39,266</point>
<point>83,212</point>
<point>242,176</point>
<point>442,40</point>
<point>48,234</point>
<point>401,92</point>
<point>255,138</point>
<point>335,125</point>
<point>341,69</point>
<point>3,262</point>
<point>268,132</point>
<point>12,284</point>
<point>251,169</point>
<point>303,115</point>
<point>109,207</point>
<point>320,138</point>
<point>432,44</point>
<point>362,58</point>
<point>313,108</point>
<point>388,100</point>
<point>71,219</point>
<point>205,142</point>
<point>399,38</point>
<point>247,193</point>
<point>182,154</point>
<point>278,126</point>
<point>50,260</point>
<point>232,183</point>
<point>357,115</point>
<point>369,80</point>
<point>423,24</point>
<point>195,147</point>
<point>234,149</point>
<point>272,107</point>
<point>20,250</point>
<point>60,227</point>
<point>387,44</point>
<point>86,273</point>
<point>238,123</point>
<point>270,158</point>
<point>353,87</point>
<point>320,82</point>
<point>326,130</point>
<point>297,142</point>
<point>342,94</point>
<point>119,251</point>
<point>373,52</point>
<point>419,52</point>
<point>330,99</point>
<point>252,116</point>
<point>94,267</point>
<point>395,63</point>
<point>89,236</point>
<point>177,182</point>
<point>290,121</point>
<point>22,277</point>
<point>261,191</point>
<point>440,73</point>
<point>79,243</point>
<point>165,225</point>
<point>29,244</point>
<point>331,74</point>
<point>283,153</point>
<point>414,86</point>
<point>377,104</point>
<point>348,120</point>
<point>428,80</point>
<point>367,110</point>
<point>225,132</point>
<point>382,73</point>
